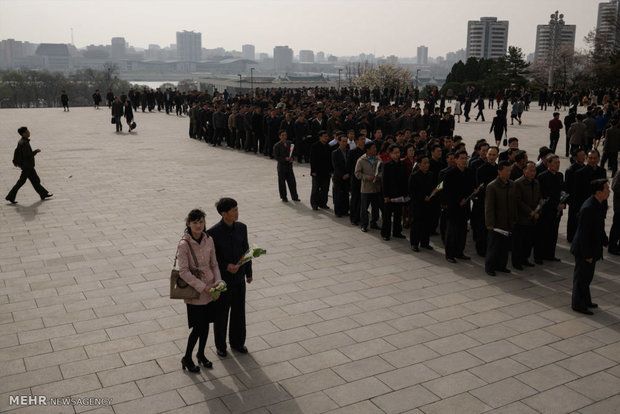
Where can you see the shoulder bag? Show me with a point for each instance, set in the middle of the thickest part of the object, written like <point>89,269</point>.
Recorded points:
<point>179,289</point>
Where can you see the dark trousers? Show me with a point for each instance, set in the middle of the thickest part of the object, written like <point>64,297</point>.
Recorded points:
<point>443,224</point>
<point>250,141</point>
<point>479,230</point>
<point>547,237</point>
<point>614,233</point>
<point>392,209</point>
<point>286,176</point>
<point>119,125</point>
<point>420,230</point>
<point>456,235</point>
<point>496,256</point>
<point>320,190</point>
<point>522,242</point>
<point>480,115</point>
<point>374,200</point>
<point>567,153</point>
<point>340,193</point>
<point>582,277</point>
<point>612,159</point>
<point>554,137</point>
<point>260,143</point>
<point>232,301</point>
<point>356,196</point>
<point>218,136</point>
<point>27,174</point>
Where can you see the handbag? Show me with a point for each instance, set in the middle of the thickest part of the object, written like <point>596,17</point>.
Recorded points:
<point>113,121</point>
<point>133,125</point>
<point>179,288</point>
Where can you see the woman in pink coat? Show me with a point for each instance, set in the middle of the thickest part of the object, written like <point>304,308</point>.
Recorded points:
<point>200,311</point>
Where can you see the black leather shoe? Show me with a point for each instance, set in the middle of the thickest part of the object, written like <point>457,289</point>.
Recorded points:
<point>285,200</point>
<point>529,264</point>
<point>504,270</point>
<point>427,247</point>
<point>584,311</point>
<point>189,365</point>
<point>204,361</point>
<point>399,236</point>
<point>415,248</point>
<point>325,207</point>
<point>364,229</point>
<point>240,349</point>
<point>491,273</point>
<point>222,353</point>
<point>464,257</point>
<point>593,305</point>
<point>315,208</point>
<point>385,238</point>
<point>48,195</point>
<point>451,259</point>
<point>10,201</point>
<point>296,199</point>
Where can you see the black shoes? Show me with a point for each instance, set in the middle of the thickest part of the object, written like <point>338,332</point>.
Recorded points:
<point>315,208</point>
<point>241,349</point>
<point>48,195</point>
<point>399,236</point>
<point>593,305</point>
<point>189,365</point>
<point>584,311</point>
<point>427,247</point>
<point>204,361</point>
<point>504,270</point>
<point>463,257</point>
<point>415,248</point>
<point>385,238</point>
<point>296,199</point>
<point>364,229</point>
<point>10,201</point>
<point>451,259</point>
<point>222,353</point>
<point>325,207</point>
<point>491,273</point>
<point>285,200</point>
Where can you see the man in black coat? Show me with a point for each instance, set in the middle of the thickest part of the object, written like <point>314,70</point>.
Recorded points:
<point>342,177</point>
<point>486,173</point>
<point>421,185</point>
<point>394,187</point>
<point>321,171</point>
<point>356,185</point>
<point>587,246</point>
<point>230,238</point>
<point>590,172</point>
<point>578,159</point>
<point>551,186</point>
<point>23,157</point>
<point>282,154</point>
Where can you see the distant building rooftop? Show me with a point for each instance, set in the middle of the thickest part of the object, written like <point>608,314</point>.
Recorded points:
<point>53,49</point>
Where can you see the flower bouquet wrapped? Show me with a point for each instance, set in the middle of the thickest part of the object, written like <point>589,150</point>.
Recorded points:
<point>476,191</point>
<point>437,189</point>
<point>251,254</point>
<point>219,287</point>
<point>291,152</point>
<point>540,205</point>
<point>563,197</point>
<point>400,199</point>
<point>502,232</point>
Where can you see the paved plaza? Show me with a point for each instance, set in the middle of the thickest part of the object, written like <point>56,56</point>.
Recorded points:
<point>339,321</point>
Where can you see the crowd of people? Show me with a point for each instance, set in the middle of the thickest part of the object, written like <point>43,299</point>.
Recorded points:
<point>403,161</point>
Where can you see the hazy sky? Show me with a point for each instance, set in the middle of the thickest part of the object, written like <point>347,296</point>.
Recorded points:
<point>339,27</point>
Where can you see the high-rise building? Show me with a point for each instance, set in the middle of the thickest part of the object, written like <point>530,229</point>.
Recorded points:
<point>422,58</point>
<point>118,48</point>
<point>555,33</point>
<point>608,24</point>
<point>320,57</point>
<point>282,58</point>
<point>189,46</point>
<point>487,38</point>
<point>306,56</point>
<point>248,52</point>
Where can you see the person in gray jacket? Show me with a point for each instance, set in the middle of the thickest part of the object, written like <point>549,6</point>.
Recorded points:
<point>577,134</point>
<point>368,170</point>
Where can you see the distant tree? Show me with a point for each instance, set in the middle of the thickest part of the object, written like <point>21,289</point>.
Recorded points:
<point>605,60</point>
<point>385,76</point>
<point>516,66</point>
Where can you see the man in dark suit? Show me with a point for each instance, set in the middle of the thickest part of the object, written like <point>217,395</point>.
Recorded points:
<point>551,186</point>
<point>341,177</point>
<point>321,171</point>
<point>578,159</point>
<point>590,172</point>
<point>394,188</point>
<point>587,246</point>
<point>23,157</point>
<point>356,184</point>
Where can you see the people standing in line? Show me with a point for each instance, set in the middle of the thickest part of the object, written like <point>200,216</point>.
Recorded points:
<point>64,99</point>
<point>23,157</point>
<point>500,214</point>
<point>584,176</point>
<point>394,188</point>
<point>527,198</point>
<point>555,125</point>
<point>282,154</point>
<point>230,237</point>
<point>587,246</point>
<point>117,113</point>
<point>197,247</point>
<point>485,173</point>
<point>320,170</point>
<point>368,170</point>
<point>356,183</point>
<point>341,178</point>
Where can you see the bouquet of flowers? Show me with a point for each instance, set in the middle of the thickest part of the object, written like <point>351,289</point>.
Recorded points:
<point>502,232</point>
<point>540,205</point>
<point>400,199</point>
<point>292,149</point>
<point>218,288</point>
<point>476,191</point>
<point>437,189</point>
<point>251,254</point>
<point>563,197</point>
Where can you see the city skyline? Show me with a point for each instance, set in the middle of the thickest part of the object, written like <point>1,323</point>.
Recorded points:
<point>454,16</point>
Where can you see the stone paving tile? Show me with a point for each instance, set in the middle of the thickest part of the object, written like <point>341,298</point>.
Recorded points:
<point>83,292</point>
